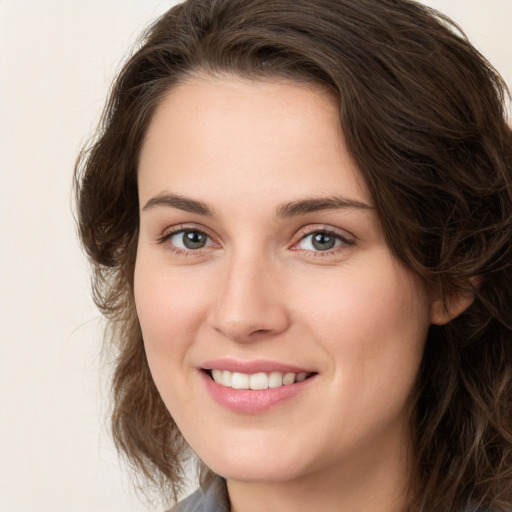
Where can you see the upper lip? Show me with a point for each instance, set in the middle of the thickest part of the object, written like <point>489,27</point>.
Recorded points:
<point>251,367</point>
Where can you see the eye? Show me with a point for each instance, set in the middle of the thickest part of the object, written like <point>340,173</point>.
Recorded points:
<point>189,239</point>
<point>320,241</point>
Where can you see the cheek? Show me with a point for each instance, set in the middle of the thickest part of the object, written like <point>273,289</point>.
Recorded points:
<point>374,334</point>
<point>355,302</point>
<point>167,309</point>
<point>373,324</point>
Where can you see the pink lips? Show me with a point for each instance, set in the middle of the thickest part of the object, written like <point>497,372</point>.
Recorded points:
<point>247,400</point>
<point>251,367</point>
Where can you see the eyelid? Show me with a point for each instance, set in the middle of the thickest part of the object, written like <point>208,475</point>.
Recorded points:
<point>180,228</point>
<point>346,238</point>
<point>325,228</point>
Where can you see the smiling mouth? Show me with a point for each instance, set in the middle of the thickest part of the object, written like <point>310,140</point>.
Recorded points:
<point>256,381</point>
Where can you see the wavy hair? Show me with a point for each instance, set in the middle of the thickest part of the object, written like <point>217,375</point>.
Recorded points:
<point>422,113</point>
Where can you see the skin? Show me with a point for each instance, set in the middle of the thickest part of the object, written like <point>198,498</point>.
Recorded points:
<point>260,290</point>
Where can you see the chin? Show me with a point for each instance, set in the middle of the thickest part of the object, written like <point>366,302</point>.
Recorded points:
<point>249,473</point>
<point>254,466</point>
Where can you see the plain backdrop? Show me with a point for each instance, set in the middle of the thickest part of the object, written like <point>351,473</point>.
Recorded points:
<point>57,59</point>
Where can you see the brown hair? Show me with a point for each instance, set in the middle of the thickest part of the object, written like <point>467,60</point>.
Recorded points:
<point>422,113</point>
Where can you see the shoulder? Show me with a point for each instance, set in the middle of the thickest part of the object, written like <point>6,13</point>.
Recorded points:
<point>211,497</point>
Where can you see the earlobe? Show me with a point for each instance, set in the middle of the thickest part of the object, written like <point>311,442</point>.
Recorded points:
<point>443,310</point>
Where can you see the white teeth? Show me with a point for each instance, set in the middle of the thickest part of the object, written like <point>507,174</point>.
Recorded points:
<point>275,380</point>
<point>227,378</point>
<point>288,379</point>
<point>256,381</point>
<point>240,381</point>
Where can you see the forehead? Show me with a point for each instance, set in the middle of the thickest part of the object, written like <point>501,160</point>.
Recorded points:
<point>235,133</point>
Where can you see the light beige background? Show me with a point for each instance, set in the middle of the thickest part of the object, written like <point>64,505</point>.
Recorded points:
<point>57,59</point>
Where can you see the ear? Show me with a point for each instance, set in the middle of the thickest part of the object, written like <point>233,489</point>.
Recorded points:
<point>445,309</point>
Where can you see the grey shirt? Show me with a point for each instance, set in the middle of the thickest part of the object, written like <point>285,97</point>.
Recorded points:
<point>212,497</point>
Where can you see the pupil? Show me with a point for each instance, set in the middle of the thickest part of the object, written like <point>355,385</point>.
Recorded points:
<point>194,240</point>
<point>323,242</point>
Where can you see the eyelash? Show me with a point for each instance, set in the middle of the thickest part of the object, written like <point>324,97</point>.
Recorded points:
<point>345,240</point>
<point>303,234</point>
<point>182,229</point>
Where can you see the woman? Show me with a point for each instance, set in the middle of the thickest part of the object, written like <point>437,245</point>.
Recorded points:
<point>299,215</point>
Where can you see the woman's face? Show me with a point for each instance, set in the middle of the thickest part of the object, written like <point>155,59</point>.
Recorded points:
<point>261,263</point>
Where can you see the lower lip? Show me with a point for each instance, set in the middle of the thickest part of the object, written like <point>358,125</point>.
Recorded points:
<point>252,401</point>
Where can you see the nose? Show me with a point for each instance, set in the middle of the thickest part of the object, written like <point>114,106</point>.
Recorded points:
<point>250,304</point>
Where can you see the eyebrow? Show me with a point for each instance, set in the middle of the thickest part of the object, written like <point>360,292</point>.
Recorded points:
<point>181,203</point>
<point>305,206</point>
<point>283,211</point>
